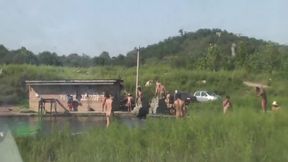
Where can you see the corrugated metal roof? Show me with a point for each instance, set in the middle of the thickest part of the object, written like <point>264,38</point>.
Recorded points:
<point>73,82</point>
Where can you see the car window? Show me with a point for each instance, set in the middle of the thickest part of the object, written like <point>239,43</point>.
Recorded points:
<point>203,94</point>
<point>211,93</point>
<point>197,94</point>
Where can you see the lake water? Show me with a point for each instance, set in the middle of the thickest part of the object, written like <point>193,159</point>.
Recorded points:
<point>26,126</point>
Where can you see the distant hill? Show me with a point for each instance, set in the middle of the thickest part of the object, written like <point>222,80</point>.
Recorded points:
<point>196,43</point>
<point>205,49</point>
<point>209,47</point>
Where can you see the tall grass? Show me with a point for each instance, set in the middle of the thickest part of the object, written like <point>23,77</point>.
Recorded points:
<point>205,135</point>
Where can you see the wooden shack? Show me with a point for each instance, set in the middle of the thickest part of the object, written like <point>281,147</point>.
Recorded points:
<point>88,93</point>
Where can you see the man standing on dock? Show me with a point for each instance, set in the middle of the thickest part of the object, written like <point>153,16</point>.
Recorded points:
<point>129,102</point>
<point>107,107</point>
<point>160,90</point>
<point>139,97</point>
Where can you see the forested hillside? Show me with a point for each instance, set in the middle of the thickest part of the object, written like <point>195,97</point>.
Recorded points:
<point>205,49</point>
<point>216,49</point>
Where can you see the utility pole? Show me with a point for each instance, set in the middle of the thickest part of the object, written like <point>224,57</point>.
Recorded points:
<point>137,72</point>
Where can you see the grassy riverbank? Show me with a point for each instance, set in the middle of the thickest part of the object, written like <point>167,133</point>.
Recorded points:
<point>205,135</point>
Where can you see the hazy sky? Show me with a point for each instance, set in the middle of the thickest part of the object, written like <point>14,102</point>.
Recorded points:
<point>117,26</point>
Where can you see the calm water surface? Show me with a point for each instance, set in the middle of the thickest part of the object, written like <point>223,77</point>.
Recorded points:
<point>26,126</point>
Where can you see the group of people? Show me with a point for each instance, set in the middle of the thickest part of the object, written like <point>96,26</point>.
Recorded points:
<point>73,104</point>
<point>175,102</point>
<point>227,104</point>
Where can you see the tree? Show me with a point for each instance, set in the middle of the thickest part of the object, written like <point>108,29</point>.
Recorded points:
<point>119,60</point>
<point>85,61</point>
<point>103,59</point>
<point>4,53</point>
<point>241,54</point>
<point>23,56</point>
<point>181,32</point>
<point>213,57</point>
<point>73,60</point>
<point>48,58</point>
<point>272,57</point>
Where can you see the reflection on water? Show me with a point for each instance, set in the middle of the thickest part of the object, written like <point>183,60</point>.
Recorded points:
<point>26,126</point>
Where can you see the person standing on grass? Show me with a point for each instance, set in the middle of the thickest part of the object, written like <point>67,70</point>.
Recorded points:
<point>226,104</point>
<point>261,92</point>
<point>179,105</point>
<point>107,106</point>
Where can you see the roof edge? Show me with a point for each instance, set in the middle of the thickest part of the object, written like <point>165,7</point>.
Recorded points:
<point>73,82</point>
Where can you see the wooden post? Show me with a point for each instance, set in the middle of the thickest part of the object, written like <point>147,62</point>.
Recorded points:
<point>137,71</point>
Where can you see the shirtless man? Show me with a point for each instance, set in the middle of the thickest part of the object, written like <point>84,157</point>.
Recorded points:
<point>179,106</point>
<point>169,101</point>
<point>104,100</point>
<point>129,102</point>
<point>160,90</point>
<point>157,88</point>
<point>107,107</point>
<point>226,104</point>
<point>139,96</point>
<point>261,92</point>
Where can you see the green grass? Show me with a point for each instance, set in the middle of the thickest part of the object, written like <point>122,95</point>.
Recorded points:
<point>205,135</point>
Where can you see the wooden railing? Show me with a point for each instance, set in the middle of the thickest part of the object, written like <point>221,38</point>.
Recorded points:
<point>53,105</point>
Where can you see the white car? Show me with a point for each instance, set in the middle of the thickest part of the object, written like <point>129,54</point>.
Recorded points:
<point>203,96</point>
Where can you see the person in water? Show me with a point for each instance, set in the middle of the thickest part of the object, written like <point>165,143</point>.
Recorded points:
<point>107,108</point>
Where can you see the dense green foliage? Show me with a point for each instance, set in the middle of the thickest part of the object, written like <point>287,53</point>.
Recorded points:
<point>14,91</point>
<point>206,135</point>
<point>205,49</point>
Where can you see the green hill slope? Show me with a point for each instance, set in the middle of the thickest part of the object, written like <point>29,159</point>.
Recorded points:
<point>216,49</point>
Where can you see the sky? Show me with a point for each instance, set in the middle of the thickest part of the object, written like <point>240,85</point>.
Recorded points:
<point>117,26</point>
